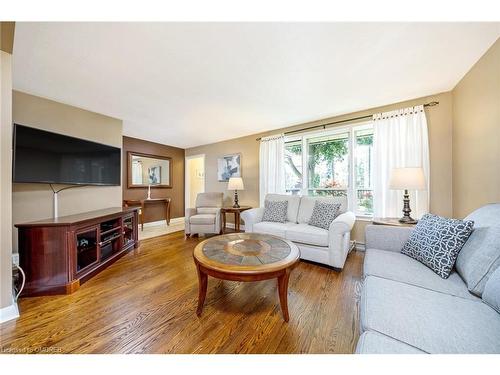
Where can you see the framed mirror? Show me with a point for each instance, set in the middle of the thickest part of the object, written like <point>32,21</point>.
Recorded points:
<point>145,170</point>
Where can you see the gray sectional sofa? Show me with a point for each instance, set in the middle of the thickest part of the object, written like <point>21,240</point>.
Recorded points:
<point>407,308</point>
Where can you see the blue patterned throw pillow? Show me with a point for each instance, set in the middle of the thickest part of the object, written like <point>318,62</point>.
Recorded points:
<point>436,242</point>
<point>323,214</point>
<point>275,211</point>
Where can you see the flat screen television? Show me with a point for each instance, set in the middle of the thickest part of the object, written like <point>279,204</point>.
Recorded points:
<point>45,157</point>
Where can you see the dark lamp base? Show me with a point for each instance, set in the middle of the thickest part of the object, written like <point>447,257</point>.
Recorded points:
<point>408,220</point>
<point>236,205</point>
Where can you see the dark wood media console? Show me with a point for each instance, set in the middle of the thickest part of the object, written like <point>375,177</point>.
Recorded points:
<point>59,254</point>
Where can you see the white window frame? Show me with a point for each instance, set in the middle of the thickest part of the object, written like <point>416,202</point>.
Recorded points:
<point>351,188</point>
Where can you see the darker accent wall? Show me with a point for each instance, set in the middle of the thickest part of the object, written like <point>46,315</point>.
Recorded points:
<point>7,36</point>
<point>155,212</point>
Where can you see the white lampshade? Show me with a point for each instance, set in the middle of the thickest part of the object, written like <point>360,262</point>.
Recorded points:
<point>235,183</point>
<point>407,178</point>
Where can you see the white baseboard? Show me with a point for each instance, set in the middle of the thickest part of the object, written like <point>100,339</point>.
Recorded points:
<point>360,246</point>
<point>174,221</point>
<point>9,312</point>
<point>180,220</point>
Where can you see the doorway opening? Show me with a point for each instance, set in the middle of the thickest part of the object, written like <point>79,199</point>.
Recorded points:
<point>195,178</point>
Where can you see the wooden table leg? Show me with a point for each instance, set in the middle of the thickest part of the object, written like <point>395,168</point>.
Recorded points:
<point>223,222</point>
<point>142,215</point>
<point>237,221</point>
<point>283,293</point>
<point>202,291</point>
<point>167,212</point>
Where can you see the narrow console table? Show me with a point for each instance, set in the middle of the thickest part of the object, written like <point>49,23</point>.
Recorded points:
<point>142,204</point>
<point>59,254</point>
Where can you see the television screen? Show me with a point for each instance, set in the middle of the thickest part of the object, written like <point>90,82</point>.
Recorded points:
<point>44,157</point>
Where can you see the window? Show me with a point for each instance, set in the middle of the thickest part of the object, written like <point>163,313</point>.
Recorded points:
<point>334,162</point>
<point>328,165</point>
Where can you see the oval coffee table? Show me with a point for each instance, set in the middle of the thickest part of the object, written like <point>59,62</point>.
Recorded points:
<point>246,257</point>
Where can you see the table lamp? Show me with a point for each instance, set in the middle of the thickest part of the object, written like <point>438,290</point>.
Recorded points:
<point>407,179</point>
<point>235,183</point>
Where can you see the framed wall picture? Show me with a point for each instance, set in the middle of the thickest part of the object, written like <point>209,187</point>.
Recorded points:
<point>154,175</point>
<point>228,166</point>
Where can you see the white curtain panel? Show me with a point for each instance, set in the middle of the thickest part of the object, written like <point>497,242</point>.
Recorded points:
<point>400,139</point>
<point>272,166</point>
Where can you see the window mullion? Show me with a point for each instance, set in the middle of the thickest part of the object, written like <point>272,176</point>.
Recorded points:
<point>351,188</point>
<point>305,155</point>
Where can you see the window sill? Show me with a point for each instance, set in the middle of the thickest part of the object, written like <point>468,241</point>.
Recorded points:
<point>364,218</point>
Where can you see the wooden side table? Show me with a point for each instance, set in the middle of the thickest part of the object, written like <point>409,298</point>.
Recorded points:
<point>236,212</point>
<point>392,221</point>
<point>144,202</point>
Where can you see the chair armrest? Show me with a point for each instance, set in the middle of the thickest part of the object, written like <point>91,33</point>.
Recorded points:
<point>251,217</point>
<point>386,237</point>
<point>339,236</point>
<point>190,212</point>
<point>218,219</point>
<point>342,223</point>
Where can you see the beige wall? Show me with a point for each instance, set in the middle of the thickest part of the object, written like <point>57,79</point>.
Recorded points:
<point>439,121</point>
<point>34,201</point>
<point>476,135</point>
<point>5,179</point>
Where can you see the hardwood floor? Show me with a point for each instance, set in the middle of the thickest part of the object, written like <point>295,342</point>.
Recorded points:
<point>146,303</point>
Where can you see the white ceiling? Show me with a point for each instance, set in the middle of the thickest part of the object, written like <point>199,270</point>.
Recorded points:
<point>187,84</point>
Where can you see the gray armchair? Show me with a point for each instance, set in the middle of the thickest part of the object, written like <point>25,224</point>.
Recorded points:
<point>205,217</point>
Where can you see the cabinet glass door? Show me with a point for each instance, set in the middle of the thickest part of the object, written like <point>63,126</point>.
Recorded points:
<point>86,248</point>
<point>128,231</point>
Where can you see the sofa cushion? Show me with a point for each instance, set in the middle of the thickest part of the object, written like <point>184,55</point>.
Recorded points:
<point>323,214</point>
<point>491,294</point>
<point>307,234</point>
<point>276,229</point>
<point>208,210</point>
<point>209,200</point>
<point>386,237</point>
<point>275,211</point>
<point>430,321</point>
<point>399,267</point>
<point>374,343</point>
<point>202,219</point>
<point>480,255</point>
<point>293,204</point>
<point>436,242</point>
<point>307,206</point>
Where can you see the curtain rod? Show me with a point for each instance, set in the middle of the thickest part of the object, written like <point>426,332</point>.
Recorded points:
<point>431,104</point>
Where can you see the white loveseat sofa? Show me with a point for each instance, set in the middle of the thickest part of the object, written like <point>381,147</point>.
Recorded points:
<point>319,245</point>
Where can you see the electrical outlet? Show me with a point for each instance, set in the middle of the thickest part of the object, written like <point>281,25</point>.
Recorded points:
<point>15,259</point>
